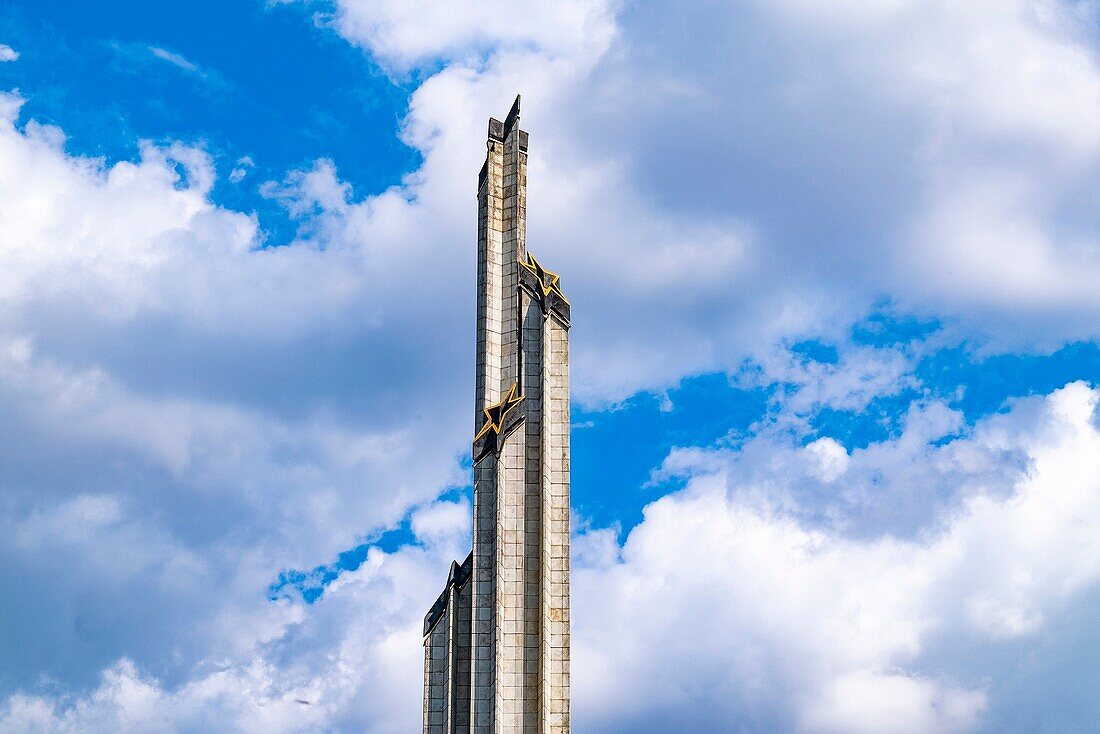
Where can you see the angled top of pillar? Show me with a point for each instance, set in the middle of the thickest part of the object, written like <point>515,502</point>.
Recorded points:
<point>512,118</point>
<point>458,576</point>
<point>499,130</point>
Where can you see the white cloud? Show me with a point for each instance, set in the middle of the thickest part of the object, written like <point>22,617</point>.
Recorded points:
<point>1021,68</point>
<point>241,169</point>
<point>870,703</point>
<point>178,414</point>
<point>7,53</point>
<point>711,181</point>
<point>859,375</point>
<point>729,177</point>
<point>445,524</point>
<point>174,59</point>
<point>716,611</point>
<point>778,624</point>
<point>990,247</point>
<point>317,672</point>
<point>831,456</point>
<point>404,34</point>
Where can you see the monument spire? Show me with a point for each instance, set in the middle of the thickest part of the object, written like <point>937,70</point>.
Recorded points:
<point>496,641</point>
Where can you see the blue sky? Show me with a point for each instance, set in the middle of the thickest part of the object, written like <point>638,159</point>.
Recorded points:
<point>237,77</point>
<point>836,356</point>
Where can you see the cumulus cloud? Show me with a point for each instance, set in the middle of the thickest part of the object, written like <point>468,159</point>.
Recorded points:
<point>178,412</point>
<point>858,375</point>
<point>404,34</point>
<point>192,408</point>
<point>318,672</point>
<point>7,53</point>
<point>728,611</point>
<point>728,177</point>
<point>718,611</point>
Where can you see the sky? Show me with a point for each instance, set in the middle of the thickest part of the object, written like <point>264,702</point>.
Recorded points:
<point>833,268</point>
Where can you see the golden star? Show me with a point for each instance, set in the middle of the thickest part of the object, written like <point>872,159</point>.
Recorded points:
<point>495,414</point>
<point>548,282</point>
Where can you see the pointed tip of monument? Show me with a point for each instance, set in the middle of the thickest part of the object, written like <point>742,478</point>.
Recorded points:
<point>499,130</point>
<point>512,118</point>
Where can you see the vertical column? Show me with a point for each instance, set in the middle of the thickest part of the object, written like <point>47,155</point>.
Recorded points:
<point>490,308</point>
<point>530,376</point>
<point>448,623</point>
<point>460,665</point>
<point>533,508</point>
<point>510,473</point>
<point>435,670</point>
<point>427,683</point>
<point>509,612</point>
<point>554,648</point>
<point>483,634</point>
<point>490,278</point>
<point>519,591</point>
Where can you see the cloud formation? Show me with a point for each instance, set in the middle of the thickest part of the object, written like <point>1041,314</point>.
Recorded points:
<point>135,313</point>
<point>730,177</point>
<point>723,608</point>
<point>733,607</point>
<point>191,408</point>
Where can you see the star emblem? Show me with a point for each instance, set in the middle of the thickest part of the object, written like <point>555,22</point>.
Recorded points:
<point>495,414</point>
<point>548,282</point>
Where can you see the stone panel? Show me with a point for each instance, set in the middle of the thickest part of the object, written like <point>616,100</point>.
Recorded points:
<point>435,677</point>
<point>554,651</point>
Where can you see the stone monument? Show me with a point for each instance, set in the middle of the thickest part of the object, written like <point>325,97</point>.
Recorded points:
<point>496,641</point>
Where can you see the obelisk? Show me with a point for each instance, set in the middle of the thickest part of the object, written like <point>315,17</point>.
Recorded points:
<point>497,639</point>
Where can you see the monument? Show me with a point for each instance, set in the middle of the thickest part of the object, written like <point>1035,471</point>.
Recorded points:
<point>496,641</point>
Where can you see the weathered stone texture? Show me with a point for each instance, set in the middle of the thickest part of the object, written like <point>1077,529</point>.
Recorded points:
<point>496,646</point>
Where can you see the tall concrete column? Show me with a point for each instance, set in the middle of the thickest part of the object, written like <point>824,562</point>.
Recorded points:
<point>511,609</point>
